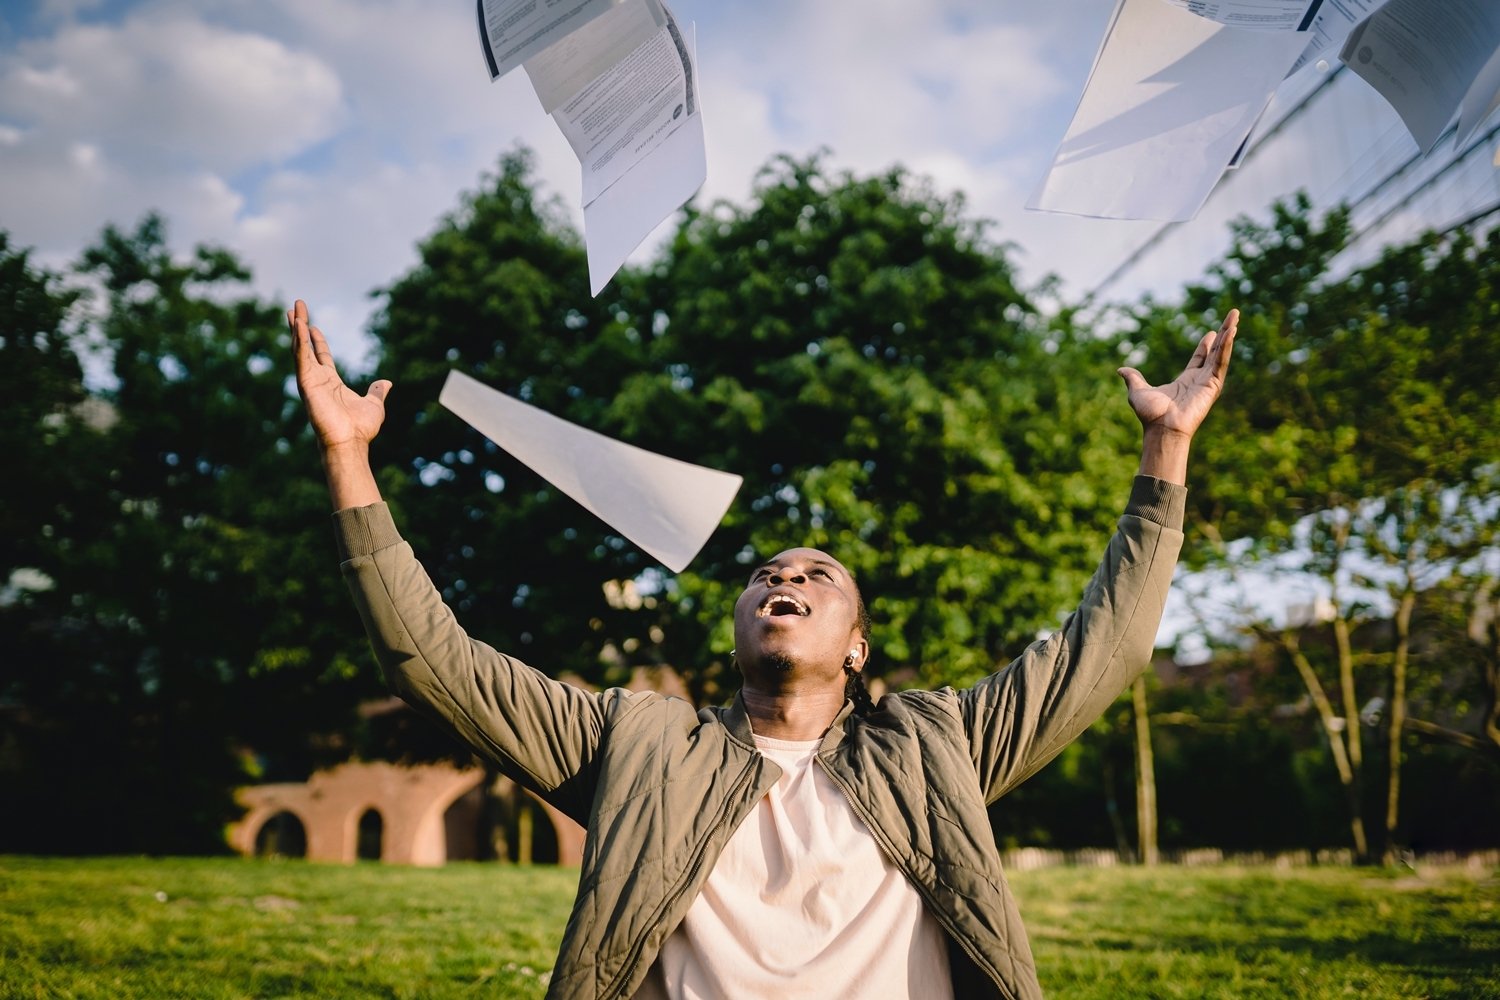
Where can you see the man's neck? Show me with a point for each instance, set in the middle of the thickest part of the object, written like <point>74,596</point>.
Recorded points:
<point>791,715</point>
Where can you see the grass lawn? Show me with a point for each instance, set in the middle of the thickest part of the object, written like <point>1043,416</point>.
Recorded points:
<point>122,928</point>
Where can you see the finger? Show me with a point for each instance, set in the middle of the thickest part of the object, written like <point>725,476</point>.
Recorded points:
<point>1133,379</point>
<point>1201,353</point>
<point>302,349</point>
<point>379,390</point>
<point>1225,348</point>
<point>320,346</point>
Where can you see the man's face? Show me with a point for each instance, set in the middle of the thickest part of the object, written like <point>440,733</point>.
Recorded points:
<point>798,619</point>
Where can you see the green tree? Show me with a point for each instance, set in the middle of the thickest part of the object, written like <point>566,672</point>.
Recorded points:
<point>859,350</point>
<point>855,347</point>
<point>189,619</point>
<point>1357,446</point>
<point>41,380</point>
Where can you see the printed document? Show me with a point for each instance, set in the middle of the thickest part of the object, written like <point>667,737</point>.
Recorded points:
<point>635,127</point>
<point>1260,15</point>
<point>512,31</point>
<point>1336,18</point>
<point>622,115</point>
<point>618,77</point>
<point>572,64</point>
<point>1425,58</point>
<point>667,507</point>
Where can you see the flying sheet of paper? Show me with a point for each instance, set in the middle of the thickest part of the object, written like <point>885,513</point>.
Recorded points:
<point>1336,18</point>
<point>616,222</point>
<point>1481,101</point>
<point>619,78</point>
<point>512,31</point>
<point>636,129</point>
<point>1424,58</point>
<point>572,64</point>
<point>667,507</point>
<point>1171,98</point>
<point>1259,15</point>
<point>622,116</point>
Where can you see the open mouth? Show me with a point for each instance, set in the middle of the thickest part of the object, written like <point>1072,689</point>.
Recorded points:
<point>782,604</point>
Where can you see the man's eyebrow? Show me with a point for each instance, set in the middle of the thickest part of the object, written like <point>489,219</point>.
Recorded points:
<point>814,561</point>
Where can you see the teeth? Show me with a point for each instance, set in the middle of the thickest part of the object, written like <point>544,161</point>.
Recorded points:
<point>780,599</point>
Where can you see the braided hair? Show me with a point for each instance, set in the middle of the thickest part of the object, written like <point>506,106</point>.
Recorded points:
<point>854,683</point>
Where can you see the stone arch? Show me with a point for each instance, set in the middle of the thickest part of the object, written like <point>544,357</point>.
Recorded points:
<point>280,834</point>
<point>568,834</point>
<point>271,802</point>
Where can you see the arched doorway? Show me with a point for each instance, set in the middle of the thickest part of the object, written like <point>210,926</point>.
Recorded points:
<point>281,836</point>
<point>371,836</point>
<point>466,833</point>
<point>532,837</point>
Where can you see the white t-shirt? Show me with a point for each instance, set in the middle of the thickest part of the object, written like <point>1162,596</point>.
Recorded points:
<point>802,903</point>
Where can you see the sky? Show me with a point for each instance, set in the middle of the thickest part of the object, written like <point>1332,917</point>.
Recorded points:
<point>321,140</point>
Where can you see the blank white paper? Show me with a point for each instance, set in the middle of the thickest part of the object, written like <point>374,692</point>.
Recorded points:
<point>667,507</point>
<point>1171,98</point>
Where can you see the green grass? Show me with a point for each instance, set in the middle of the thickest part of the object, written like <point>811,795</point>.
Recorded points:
<point>1236,933</point>
<point>121,928</point>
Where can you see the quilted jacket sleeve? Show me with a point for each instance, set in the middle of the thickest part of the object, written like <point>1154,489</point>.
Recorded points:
<point>1022,716</point>
<point>541,732</point>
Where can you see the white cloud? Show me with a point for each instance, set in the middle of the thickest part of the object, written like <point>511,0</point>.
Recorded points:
<point>161,90</point>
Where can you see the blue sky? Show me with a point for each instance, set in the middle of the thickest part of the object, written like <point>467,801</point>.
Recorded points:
<point>321,140</point>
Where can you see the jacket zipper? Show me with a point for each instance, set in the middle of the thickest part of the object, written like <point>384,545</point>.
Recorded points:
<point>937,912</point>
<point>614,989</point>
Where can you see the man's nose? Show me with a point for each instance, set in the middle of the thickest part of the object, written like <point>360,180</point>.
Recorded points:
<point>780,576</point>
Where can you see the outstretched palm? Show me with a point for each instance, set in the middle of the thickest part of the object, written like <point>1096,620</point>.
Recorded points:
<point>339,415</point>
<point>1180,405</point>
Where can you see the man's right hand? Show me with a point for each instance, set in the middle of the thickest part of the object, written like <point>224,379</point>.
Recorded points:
<point>340,416</point>
<point>344,421</point>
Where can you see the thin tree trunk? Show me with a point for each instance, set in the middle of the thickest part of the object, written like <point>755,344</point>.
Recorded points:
<point>1112,807</point>
<point>525,820</point>
<point>1336,742</point>
<point>1145,778</point>
<point>1350,696</point>
<point>1397,719</point>
<point>1346,661</point>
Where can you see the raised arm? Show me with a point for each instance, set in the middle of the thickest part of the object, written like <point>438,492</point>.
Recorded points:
<point>542,733</point>
<point>1021,717</point>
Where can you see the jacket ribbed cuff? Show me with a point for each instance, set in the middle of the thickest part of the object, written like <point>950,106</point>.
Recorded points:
<point>360,531</point>
<point>1158,500</point>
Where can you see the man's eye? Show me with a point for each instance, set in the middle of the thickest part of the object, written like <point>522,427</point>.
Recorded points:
<point>821,572</point>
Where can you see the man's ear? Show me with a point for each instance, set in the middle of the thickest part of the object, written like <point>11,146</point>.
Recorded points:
<point>859,651</point>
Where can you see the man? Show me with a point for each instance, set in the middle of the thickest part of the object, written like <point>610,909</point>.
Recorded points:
<point>800,842</point>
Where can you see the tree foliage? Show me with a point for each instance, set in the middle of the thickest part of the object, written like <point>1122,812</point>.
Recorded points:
<point>857,348</point>
<point>1359,448</point>
<point>187,616</point>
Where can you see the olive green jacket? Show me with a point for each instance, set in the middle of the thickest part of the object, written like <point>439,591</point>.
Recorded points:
<point>661,786</point>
